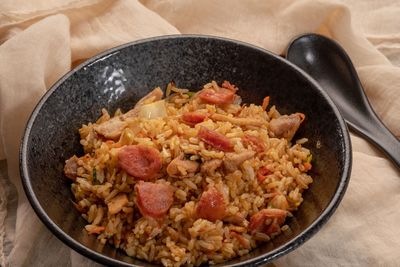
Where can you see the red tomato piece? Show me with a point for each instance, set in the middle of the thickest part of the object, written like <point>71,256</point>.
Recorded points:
<point>215,139</point>
<point>211,205</point>
<point>307,166</point>
<point>153,200</point>
<point>192,118</point>
<point>140,161</point>
<point>262,173</point>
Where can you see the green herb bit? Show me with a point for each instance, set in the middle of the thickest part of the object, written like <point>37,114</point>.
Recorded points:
<point>190,94</point>
<point>95,181</point>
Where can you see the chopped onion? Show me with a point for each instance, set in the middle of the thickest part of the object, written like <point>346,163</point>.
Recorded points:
<point>153,110</point>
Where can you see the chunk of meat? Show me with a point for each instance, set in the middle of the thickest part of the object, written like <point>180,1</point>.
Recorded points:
<point>286,126</point>
<point>117,203</point>
<point>262,173</point>
<point>153,200</point>
<point>215,139</point>
<point>210,166</point>
<point>258,220</point>
<point>232,161</point>
<point>280,202</point>
<point>192,118</point>
<point>140,161</point>
<point>112,128</point>
<point>71,167</point>
<point>238,121</point>
<point>181,168</point>
<point>221,97</point>
<point>255,142</point>
<point>211,205</point>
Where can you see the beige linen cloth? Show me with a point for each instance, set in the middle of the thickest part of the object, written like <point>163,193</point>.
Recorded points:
<point>41,40</point>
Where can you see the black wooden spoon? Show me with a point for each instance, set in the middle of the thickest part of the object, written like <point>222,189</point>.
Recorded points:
<point>327,62</point>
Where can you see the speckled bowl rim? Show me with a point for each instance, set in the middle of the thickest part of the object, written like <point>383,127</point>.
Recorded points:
<point>261,259</point>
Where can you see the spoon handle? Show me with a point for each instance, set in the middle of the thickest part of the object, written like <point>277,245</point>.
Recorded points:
<point>377,133</point>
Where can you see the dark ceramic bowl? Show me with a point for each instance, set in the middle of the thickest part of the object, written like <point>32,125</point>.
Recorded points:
<point>121,76</point>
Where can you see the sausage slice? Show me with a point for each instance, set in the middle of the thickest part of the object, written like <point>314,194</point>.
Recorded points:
<point>153,200</point>
<point>215,139</point>
<point>221,97</point>
<point>192,118</point>
<point>211,205</point>
<point>140,161</point>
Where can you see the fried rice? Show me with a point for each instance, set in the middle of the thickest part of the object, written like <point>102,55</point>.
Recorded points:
<point>191,179</point>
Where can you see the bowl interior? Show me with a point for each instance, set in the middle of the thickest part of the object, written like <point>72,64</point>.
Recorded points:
<point>119,78</point>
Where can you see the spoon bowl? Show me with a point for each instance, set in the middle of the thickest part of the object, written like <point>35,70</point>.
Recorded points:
<point>328,63</point>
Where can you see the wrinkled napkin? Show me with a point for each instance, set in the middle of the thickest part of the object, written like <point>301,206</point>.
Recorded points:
<point>41,40</point>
